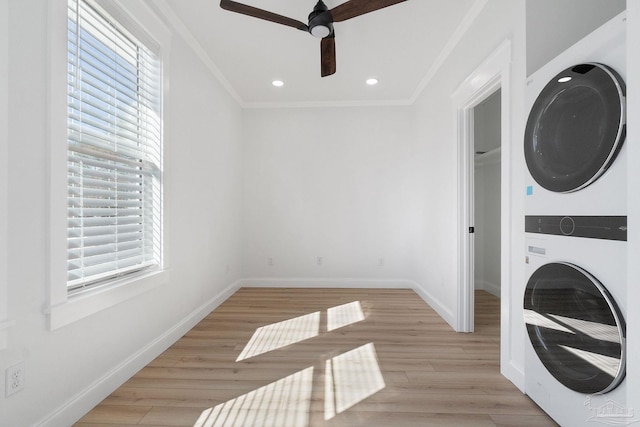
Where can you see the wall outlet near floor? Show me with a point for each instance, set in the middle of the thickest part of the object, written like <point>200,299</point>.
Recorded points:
<point>270,262</point>
<point>14,379</point>
<point>319,260</point>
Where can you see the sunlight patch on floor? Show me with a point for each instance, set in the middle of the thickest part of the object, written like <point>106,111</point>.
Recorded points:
<point>281,334</point>
<point>350,378</point>
<point>344,315</point>
<point>284,403</point>
<point>278,335</point>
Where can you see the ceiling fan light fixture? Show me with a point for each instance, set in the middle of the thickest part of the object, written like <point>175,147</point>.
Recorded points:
<point>320,31</point>
<point>320,21</point>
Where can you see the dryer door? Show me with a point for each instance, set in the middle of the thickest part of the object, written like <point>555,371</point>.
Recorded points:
<point>576,127</point>
<point>575,327</point>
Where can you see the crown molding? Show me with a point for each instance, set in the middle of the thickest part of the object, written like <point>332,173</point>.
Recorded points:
<point>176,23</point>
<point>462,29</point>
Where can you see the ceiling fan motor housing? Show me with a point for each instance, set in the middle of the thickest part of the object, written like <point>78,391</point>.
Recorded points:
<point>320,21</point>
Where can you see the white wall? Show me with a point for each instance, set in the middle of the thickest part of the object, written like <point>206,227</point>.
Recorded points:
<point>353,185</point>
<point>4,143</point>
<point>555,25</point>
<point>487,223</point>
<point>329,183</point>
<point>70,369</point>
<point>433,112</point>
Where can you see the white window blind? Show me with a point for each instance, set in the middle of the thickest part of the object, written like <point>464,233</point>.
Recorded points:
<point>114,150</point>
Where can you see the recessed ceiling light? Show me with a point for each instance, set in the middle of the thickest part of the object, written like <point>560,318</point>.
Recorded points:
<point>372,82</point>
<point>277,83</point>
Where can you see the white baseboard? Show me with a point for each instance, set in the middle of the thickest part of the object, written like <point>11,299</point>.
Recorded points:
<point>514,374</point>
<point>435,303</point>
<point>305,282</point>
<point>76,407</point>
<point>492,288</point>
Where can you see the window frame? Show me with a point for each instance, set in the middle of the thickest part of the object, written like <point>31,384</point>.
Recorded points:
<point>63,307</point>
<point>114,150</point>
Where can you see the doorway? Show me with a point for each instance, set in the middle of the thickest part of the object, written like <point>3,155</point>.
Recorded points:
<point>492,77</point>
<point>487,148</point>
<point>487,144</point>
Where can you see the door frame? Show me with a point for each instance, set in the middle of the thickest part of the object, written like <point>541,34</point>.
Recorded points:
<point>493,74</point>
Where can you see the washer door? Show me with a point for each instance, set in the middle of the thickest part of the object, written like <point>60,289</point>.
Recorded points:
<point>576,127</point>
<point>575,327</point>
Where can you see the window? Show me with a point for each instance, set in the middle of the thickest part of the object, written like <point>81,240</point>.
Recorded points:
<point>114,155</point>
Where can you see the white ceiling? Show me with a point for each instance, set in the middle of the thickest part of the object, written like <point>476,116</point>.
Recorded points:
<point>399,45</point>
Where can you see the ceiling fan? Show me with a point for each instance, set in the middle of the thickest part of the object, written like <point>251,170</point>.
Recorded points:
<point>320,25</point>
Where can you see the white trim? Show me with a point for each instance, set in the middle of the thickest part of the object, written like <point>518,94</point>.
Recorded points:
<point>141,20</point>
<point>512,372</point>
<point>467,21</point>
<point>57,152</point>
<point>326,104</point>
<point>465,239</point>
<point>462,29</point>
<point>306,282</point>
<point>76,407</point>
<point>60,307</point>
<point>4,174</point>
<point>443,310</point>
<point>491,75</point>
<point>92,301</point>
<point>165,10</point>
<point>494,73</point>
<point>492,288</point>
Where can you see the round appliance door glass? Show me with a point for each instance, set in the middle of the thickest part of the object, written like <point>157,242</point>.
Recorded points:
<point>575,327</point>
<point>576,127</point>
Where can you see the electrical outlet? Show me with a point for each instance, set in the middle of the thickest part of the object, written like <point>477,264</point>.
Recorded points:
<point>14,379</point>
<point>270,262</point>
<point>319,260</point>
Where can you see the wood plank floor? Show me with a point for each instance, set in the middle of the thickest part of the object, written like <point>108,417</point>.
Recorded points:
<point>325,357</point>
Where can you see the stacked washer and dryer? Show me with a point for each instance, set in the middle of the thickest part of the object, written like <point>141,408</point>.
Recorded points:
<point>576,231</point>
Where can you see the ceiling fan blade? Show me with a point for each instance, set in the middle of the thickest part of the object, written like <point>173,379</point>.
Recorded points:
<point>353,8</point>
<point>262,14</point>
<point>328,55</point>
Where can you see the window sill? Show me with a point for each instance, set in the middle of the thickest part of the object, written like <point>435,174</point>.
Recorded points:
<point>84,304</point>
